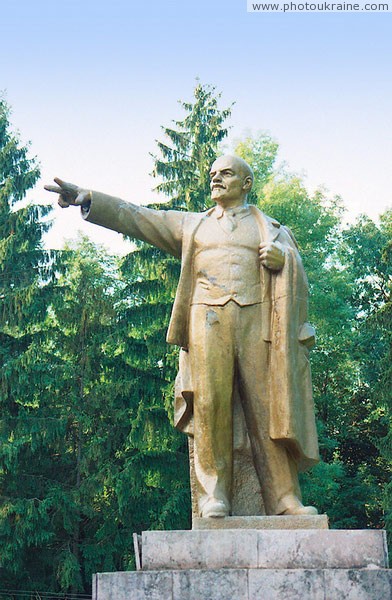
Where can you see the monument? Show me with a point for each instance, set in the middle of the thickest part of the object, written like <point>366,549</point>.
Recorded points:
<point>243,395</point>
<point>240,319</point>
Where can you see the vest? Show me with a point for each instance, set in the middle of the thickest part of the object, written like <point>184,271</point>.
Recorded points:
<point>226,263</point>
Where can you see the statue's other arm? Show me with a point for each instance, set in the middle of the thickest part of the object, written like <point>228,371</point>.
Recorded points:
<point>272,255</point>
<point>158,227</point>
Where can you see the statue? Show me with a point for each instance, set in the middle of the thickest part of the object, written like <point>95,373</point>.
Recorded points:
<point>240,319</point>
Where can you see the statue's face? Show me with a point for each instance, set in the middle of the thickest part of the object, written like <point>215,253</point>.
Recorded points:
<point>227,181</point>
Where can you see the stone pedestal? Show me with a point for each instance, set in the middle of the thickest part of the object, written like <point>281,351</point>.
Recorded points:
<point>279,522</point>
<point>259,563</point>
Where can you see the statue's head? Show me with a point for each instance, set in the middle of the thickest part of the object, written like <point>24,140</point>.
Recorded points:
<point>231,180</point>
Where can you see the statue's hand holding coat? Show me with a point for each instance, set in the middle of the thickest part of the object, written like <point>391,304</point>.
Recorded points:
<point>272,255</point>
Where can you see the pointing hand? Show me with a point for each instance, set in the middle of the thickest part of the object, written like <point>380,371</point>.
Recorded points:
<point>69,194</point>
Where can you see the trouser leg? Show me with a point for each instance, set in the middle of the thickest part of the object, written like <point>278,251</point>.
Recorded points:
<point>275,468</point>
<point>212,364</point>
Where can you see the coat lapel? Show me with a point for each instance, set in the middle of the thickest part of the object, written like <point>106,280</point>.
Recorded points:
<point>269,228</point>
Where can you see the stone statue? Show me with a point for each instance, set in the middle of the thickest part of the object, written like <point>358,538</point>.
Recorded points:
<point>240,319</point>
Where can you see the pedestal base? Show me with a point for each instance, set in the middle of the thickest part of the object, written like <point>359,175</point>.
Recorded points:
<point>264,549</point>
<point>255,564</point>
<point>245,584</point>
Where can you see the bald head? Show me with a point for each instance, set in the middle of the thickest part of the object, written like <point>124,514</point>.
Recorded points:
<point>236,161</point>
<point>231,180</point>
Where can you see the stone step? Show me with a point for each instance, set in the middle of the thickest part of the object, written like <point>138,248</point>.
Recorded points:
<point>245,584</point>
<point>275,522</point>
<point>264,549</point>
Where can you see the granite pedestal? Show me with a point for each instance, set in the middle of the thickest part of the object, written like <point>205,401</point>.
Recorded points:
<point>256,563</point>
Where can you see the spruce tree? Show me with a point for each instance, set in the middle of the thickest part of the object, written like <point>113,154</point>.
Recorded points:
<point>189,149</point>
<point>22,258</point>
<point>26,272</point>
<point>63,518</point>
<point>87,391</point>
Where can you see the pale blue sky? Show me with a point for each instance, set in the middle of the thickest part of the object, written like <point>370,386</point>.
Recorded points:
<point>91,82</point>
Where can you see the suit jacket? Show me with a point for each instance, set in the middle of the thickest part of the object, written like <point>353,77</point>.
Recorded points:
<point>284,315</point>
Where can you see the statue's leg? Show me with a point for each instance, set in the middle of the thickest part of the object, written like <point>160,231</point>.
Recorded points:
<point>212,364</point>
<point>275,468</point>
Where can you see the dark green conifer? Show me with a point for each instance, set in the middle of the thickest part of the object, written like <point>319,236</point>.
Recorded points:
<point>26,272</point>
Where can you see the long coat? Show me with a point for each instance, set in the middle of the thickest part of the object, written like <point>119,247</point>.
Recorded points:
<point>284,315</point>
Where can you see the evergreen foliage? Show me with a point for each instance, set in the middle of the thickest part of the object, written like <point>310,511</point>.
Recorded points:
<point>189,149</point>
<point>26,272</point>
<point>70,514</point>
<point>22,259</point>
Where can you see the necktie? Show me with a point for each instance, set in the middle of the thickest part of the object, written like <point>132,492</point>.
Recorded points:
<point>228,222</point>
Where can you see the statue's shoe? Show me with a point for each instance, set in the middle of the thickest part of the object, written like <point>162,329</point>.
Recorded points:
<point>301,510</point>
<point>215,509</point>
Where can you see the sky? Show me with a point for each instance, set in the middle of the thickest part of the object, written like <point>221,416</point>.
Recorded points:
<point>92,82</point>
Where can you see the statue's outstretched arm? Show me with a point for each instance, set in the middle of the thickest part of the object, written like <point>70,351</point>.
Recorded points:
<point>158,227</point>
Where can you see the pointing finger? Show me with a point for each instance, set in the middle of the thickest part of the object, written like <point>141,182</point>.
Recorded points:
<point>69,187</point>
<point>53,188</point>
